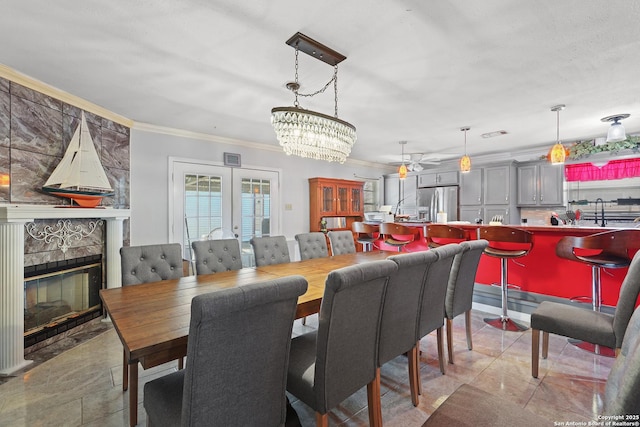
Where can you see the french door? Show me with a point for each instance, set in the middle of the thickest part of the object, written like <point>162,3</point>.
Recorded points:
<point>211,201</point>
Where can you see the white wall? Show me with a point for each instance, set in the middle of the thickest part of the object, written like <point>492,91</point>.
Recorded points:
<point>150,154</point>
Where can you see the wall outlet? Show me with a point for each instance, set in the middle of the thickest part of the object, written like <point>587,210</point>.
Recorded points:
<point>288,207</point>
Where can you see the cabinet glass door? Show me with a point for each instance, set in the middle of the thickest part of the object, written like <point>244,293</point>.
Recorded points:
<point>356,200</point>
<point>327,199</point>
<point>343,200</point>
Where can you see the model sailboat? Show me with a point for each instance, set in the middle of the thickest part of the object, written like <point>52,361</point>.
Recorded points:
<point>80,176</point>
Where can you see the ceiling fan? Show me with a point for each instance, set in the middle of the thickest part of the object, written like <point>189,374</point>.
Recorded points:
<point>418,159</point>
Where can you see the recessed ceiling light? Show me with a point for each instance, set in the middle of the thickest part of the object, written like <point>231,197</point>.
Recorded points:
<point>492,134</point>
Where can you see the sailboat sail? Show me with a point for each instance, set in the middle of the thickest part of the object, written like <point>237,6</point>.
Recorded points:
<point>80,167</point>
<point>79,175</point>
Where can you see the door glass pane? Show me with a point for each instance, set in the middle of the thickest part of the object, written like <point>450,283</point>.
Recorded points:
<point>255,210</point>
<point>202,206</point>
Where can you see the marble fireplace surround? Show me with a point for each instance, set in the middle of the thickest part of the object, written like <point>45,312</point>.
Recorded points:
<point>12,242</point>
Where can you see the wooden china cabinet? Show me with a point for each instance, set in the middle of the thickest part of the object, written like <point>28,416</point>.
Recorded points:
<point>330,197</point>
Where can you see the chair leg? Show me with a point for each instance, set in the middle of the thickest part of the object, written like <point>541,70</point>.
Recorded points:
<point>467,325</point>
<point>125,371</point>
<point>545,344</point>
<point>440,350</point>
<point>535,352</point>
<point>414,376</point>
<point>181,363</point>
<point>449,340</point>
<point>417,367</point>
<point>322,420</point>
<point>304,320</point>
<point>373,397</point>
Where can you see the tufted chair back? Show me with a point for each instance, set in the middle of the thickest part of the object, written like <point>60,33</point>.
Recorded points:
<point>270,250</point>
<point>216,256</point>
<point>312,245</point>
<point>342,242</point>
<point>150,263</point>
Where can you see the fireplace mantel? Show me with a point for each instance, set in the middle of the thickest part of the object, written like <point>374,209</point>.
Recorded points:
<point>12,221</point>
<point>27,213</point>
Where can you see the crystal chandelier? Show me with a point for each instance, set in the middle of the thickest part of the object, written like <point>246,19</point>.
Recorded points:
<point>306,133</point>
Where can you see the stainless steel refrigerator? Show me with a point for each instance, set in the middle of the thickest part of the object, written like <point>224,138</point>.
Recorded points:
<point>433,200</point>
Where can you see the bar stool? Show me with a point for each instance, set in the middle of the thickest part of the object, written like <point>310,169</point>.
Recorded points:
<point>444,234</point>
<point>609,249</point>
<point>390,229</point>
<point>506,243</point>
<point>365,234</point>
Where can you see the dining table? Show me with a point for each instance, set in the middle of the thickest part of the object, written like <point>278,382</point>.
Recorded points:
<point>152,319</point>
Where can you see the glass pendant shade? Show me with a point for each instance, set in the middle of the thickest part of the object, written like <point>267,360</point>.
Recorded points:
<point>616,132</point>
<point>402,171</point>
<point>465,161</point>
<point>557,154</point>
<point>465,164</point>
<point>313,135</point>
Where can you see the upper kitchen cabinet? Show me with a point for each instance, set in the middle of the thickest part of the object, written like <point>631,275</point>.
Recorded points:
<point>499,184</point>
<point>436,179</point>
<point>540,184</point>
<point>471,188</point>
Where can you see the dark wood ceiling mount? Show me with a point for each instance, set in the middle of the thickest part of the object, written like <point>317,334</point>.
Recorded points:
<point>315,49</point>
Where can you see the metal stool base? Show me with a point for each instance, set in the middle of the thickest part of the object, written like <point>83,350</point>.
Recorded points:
<point>593,348</point>
<point>505,323</point>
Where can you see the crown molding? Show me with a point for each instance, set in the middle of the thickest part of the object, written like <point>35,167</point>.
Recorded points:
<point>163,130</point>
<point>31,83</point>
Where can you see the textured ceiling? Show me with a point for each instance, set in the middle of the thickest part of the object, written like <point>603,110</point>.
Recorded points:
<point>415,70</point>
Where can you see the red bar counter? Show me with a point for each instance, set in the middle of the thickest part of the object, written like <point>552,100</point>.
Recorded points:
<point>543,272</point>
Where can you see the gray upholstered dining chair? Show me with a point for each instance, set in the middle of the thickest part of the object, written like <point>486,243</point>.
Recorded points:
<point>582,324</point>
<point>226,381</point>
<point>312,245</point>
<point>459,297</point>
<point>471,406</point>
<point>215,256</point>
<point>150,263</point>
<point>331,363</point>
<point>433,297</point>
<point>270,250</point>
<point>399,327</point>
<point>342,242</point>
<point>145,264</point>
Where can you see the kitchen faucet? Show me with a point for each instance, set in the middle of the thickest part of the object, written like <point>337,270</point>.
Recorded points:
<point>602,212</point>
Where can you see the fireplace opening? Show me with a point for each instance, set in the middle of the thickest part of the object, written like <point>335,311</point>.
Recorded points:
<point>61,295</point>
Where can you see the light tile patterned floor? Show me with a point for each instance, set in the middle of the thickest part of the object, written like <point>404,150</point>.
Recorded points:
<point>82,385</point>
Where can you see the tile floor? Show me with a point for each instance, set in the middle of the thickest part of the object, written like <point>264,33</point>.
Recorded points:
<point>82,386</point>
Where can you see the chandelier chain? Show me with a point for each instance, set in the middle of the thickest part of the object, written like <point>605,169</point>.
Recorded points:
<point>333,80</point>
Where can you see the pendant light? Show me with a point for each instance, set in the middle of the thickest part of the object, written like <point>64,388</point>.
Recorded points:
<point>402,170</point>
<point>465,161</point>
<point>558,153</point>
<point>616,132</point>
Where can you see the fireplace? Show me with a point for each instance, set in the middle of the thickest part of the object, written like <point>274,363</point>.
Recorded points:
<point>13,233</point>
<point>60,295</point>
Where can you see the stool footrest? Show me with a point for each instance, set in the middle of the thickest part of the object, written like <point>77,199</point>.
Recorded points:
<point>505,323</point>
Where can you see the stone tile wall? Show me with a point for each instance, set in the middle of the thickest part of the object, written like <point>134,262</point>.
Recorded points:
<point>35,130</point>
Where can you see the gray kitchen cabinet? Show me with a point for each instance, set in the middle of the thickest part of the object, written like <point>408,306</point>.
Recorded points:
<point>497,185</point>
<point>471,213</point>
<point>471,188</point>
<point>508,213</point>
<point>435,179</point>
<point>401,194</point>
<point>540,184</point>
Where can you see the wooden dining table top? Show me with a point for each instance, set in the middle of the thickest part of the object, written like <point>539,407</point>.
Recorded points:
<point>152,319</point>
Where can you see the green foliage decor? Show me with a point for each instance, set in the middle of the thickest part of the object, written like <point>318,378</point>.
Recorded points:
<point>586,148</point>
<point>582,149</point>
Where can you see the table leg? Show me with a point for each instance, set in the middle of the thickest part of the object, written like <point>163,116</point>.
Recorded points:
<point>133,392</point>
